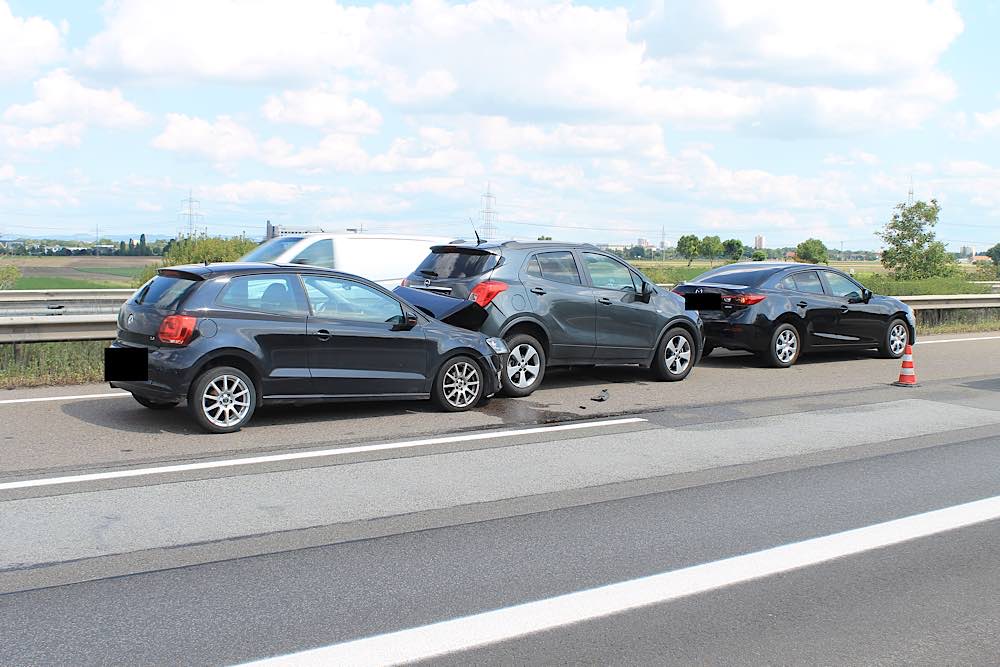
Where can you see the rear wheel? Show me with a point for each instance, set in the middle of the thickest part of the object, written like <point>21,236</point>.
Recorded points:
<point>222,399</point>
<point>154,405</point>
<point>459,385</point>
<point>675,355</point>
<point>785,346</point>
<point>893,344</point>
<point>525,366</point>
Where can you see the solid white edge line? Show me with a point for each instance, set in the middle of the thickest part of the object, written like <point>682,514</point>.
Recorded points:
<point>270,458</point>
<point>955,340</point>
<point>73,397</point>
<point>422,643</point>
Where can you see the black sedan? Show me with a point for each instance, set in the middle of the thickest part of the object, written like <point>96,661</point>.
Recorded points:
<point>227,337</point>
<point>779,310</point>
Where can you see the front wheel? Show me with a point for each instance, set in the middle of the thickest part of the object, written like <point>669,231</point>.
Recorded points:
<point>674,355</point>
<point>222,399</point>
<point>154,405</point>
<point>785,346</point>
<point>525,366</point>
<point>458,385</point>
<point>893,344</point>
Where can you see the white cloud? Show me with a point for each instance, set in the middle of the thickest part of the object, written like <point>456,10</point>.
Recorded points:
<point>7,172</point>
<point>987,120</point>
<point>342,152</point>
<point>854,157</point>
<point>222,141</point>
<point>430,86</point>
<point>48,137</point>
<point>26,44</point>
<point>433,184</point>
<point>323,107</point>
<point>144,205</point>
<point>256,191</point>
<point>61,98</point>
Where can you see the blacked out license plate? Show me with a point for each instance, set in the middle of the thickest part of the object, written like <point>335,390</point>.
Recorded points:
<point>126,364</point>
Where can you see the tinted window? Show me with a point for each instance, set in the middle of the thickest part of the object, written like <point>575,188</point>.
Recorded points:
<point>450,262</point>
<point>841,286</point>
<point>807,281</point>
<point>164,292</point>
<point>558,266</point>
<point>534,269</point>
<point>348,300</point>
<point>319,253</point>
<point>742,275</point>
<point>266,294</point>
<point>271,250</point>
<point>606,273</point>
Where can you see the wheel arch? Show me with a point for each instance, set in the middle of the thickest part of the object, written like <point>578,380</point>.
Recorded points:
<point>532,327</point>
<point>684,323</point>
<point>229,357</point>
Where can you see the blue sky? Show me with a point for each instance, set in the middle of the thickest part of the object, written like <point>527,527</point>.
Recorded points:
<point>590,121</point>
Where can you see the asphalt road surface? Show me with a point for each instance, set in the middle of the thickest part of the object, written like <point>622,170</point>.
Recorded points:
<point>815,515</point>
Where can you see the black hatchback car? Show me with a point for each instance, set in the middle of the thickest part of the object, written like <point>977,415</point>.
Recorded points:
<point>227,337</point>
<point>564,304</point>
<point>779,310</point>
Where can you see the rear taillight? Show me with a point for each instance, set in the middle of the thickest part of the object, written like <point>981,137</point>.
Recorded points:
<point>486,291</point>
<point>743,299</point>
<point>405,283</point>
<point>674,290</point>
<point>177,329</point>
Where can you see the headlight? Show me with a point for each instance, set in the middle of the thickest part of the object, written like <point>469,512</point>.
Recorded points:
<point>498,345</point>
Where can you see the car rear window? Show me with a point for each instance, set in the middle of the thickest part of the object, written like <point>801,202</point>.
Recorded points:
<point>750,277</point>
<point>269,251</point>
<point>449,262</point>
<point>164,292</point>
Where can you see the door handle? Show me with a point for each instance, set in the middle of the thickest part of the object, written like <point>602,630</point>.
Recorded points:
<point>537,290</point>
<point>605,300</point>
<point>802,304</point>
<point>844,309</point>
<point>323,334</point>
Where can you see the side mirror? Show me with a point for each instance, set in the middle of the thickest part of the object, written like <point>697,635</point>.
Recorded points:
<point>646,293</point>
<point>406,322</point>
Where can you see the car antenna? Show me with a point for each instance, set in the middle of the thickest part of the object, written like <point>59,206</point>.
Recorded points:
<point>479,241</point>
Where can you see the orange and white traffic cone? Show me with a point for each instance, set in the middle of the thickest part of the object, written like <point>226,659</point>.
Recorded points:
<point>907,374</point>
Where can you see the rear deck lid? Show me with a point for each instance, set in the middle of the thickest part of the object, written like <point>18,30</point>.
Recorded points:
<point>140,317</point>
<point>453,270</point>
<point>461,313</point>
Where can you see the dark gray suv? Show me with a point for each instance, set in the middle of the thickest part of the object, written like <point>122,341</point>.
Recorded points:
<point>562,304</point>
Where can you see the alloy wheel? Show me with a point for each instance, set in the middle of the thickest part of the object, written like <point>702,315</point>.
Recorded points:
<point>461,384</point>
<point>677,354</point>
<point>523,366</point>
<point>786,345</point>
<point>897,339</point>
<point>226,401</point>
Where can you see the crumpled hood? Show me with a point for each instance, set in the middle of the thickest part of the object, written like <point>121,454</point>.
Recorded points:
<point>461,313</point>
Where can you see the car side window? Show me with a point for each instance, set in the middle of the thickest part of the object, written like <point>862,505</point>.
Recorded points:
<point>319,253</point>
<point>606,273</point>
<point>558,266</point>
<point>807,281</point>
<point>276,294</point>
<point>842,287</point>
<point>534,269</point>
<point>341,299</point>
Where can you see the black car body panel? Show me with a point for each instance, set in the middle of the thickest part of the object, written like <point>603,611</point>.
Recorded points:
<point>291,351</point>
<point>828,307</point>
<point>585,305</point>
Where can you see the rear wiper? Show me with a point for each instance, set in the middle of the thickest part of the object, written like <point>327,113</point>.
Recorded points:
<point>432,274</point>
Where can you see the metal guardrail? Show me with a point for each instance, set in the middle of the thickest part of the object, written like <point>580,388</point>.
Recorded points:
<point>102,326</point>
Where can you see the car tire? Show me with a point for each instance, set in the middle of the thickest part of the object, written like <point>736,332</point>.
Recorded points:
<point>785,346</point>
<point>895,339</point>
<point>222,399</point>
<point>154,405</point>
<point>525,366</point>
<point>674,355</point>
<point>459,385</point>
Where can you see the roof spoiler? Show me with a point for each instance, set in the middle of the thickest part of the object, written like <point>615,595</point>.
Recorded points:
<point>179,273</point>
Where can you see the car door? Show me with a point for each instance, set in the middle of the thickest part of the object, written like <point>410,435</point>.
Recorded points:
<point>857,321</point>
<point>356,344</point>
<point>319,253</point>
<point>559,297</point>
<point>268,313</point>
<point>627,328</point>
<point>813,304</point>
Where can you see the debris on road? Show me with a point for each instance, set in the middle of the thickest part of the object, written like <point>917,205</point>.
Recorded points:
<point>601,397</point>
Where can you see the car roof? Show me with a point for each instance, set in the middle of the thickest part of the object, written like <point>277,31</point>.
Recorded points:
<point>517,245</point>
<point>213,269</point>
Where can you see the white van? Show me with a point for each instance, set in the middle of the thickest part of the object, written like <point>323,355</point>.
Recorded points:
<point>382,258</point>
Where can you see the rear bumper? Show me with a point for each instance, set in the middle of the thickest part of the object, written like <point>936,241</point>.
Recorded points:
<point>169,374</point>
<point>735,336</point>
<point>494,364</point>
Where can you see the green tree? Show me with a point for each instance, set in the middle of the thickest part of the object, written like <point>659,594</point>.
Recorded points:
<point>813,251</point>
<point>121,247</point>
<point>911,252</point>
<point>759,256</point>
<point>688,247</point>
<point>636,252</point>
<point>711,247</point>
<point>733,249</point>
<point>198,250</point>
<point>8,276</point>
<point>544,238</point>
<point>143,250</point>
<point>994,254</point>
<point>131,247</point>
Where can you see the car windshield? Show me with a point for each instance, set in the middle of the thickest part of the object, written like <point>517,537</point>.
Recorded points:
<point>750,277</point>
<point>452,262</point>
<point>271,250</point>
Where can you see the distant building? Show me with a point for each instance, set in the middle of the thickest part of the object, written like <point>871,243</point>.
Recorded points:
<point>643,243</point>
<point>981,258</point>
<point>967,251</point>
<point>280,230</point>
<point>791,255</point>
<point>758,242</point>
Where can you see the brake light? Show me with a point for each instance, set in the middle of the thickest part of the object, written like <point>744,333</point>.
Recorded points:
<point>674,290</point>
<point>743,299</point>
<point>486,291</point>
<point>177,329</point>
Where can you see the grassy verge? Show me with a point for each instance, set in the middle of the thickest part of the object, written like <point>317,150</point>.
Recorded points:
<point>42,364</point>
<point>45,282</point>
<point>128,273</point>
<point>988,324</point>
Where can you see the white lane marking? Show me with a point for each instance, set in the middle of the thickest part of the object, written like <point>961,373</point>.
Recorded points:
<point>271,458</point>
<point>956,340</point>
<point>74,397</point>
<point>499,625</point>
